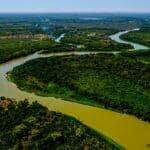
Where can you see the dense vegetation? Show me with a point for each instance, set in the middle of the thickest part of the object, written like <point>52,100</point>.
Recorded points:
<point>119,82</point>
<point>18,28</point>
<point>143,56</point>
<point>16,44</point>
<point>142,36</point>
<point>12,48</point>
<point>113,81</point>
<point>94,39</point>
<point>32,126</point>
<point>19,39</point>
<point>109,20</point>
<point>82,32</point>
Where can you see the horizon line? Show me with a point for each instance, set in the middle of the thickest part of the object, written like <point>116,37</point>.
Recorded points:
<point>75,12</point>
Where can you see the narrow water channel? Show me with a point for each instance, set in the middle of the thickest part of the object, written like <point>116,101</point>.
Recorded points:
<point>116,37</point>
<point>126,130</point>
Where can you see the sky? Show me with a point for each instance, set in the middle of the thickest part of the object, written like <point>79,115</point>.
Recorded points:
<point>74,6</point>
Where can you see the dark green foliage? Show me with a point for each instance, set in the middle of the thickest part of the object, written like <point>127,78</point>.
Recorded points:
<point>14,29</point>
<point>116,82</point>
<point>59,47</point>
<point>25,126</point>
<point>136,54</point>
<point>14,48</point>
<point>94,39</point>
<point>143,56</point>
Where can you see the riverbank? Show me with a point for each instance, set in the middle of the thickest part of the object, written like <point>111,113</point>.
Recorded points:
<point>104,121</point>
<point>126,130</point>
<point>101,120</point>
<point>89,79</point>
<point>141,36</point>
<point>32,126</point>
<point>119,37</point>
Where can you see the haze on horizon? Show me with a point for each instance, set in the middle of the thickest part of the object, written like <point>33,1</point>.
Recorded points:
<point>14,6</point>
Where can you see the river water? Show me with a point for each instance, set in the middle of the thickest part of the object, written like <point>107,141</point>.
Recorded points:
<point>59,38</point>
<point>116,37</point>
<point>126,130</point>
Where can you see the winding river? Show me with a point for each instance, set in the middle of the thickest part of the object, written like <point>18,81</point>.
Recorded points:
<point>136,46</point>
<point>126,130</point>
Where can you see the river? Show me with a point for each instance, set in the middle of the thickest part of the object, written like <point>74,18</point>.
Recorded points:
<point>136,46</point>
<point>126,130</point>
<point>59,38</point>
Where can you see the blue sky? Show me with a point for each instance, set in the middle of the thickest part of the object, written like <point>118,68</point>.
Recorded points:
<point>75,6</point>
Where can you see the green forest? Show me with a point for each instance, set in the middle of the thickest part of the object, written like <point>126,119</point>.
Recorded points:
<point>103,82</point>
<point>112,81</point>
<point>32,126</point>
<point>20,40</point>
<point>94,39</point>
